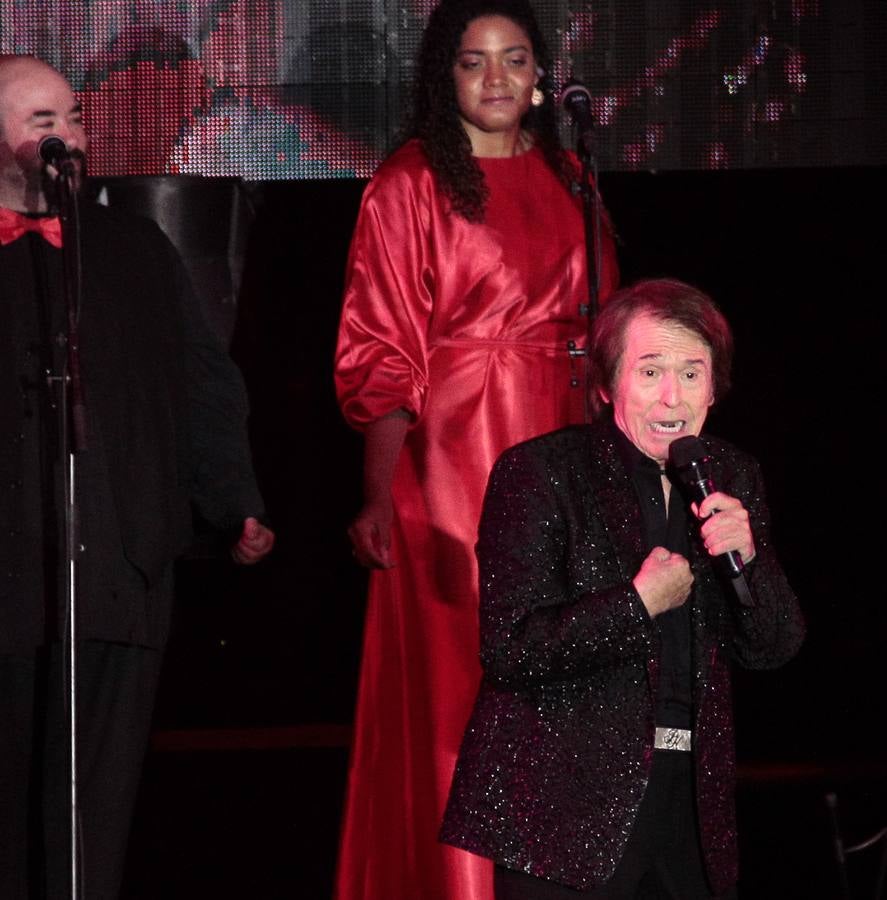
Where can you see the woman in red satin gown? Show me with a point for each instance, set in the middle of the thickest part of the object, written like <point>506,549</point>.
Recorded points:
<point>466,273</point>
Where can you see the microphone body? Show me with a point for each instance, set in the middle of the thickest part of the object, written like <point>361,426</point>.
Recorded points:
<point>690,460</point>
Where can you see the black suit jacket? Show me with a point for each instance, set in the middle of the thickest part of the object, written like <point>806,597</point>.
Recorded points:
<point>559,746</point>
<point>166,425</point>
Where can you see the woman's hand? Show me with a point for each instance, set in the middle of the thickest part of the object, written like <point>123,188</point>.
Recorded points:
<point>370,534</point>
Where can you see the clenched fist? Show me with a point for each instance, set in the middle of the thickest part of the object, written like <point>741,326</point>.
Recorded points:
<point>664,581</point>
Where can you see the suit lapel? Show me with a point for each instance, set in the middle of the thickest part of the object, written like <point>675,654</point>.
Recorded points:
<point>614,498</point>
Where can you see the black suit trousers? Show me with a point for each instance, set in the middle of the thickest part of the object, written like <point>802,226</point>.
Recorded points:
<point>117,686</point>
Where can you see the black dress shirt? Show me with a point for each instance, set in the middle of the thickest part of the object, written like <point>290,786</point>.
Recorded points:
<point>674,699</point>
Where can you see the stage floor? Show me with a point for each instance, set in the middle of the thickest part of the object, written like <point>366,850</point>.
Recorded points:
<point>263,824</point>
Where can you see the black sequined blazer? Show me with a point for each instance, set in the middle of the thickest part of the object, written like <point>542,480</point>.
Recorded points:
<point>557,753</point>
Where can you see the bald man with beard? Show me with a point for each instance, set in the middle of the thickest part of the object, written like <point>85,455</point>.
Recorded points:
<point>165,424</point>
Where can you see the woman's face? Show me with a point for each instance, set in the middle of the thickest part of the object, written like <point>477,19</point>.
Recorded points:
<point>494,74</point>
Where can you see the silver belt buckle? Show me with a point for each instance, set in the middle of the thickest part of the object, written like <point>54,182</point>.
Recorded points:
<point>673,739</point>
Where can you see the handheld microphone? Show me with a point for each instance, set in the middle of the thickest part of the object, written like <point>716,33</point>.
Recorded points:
<point>576,100</point>
<point>53,151</point>
<point>690,461</point>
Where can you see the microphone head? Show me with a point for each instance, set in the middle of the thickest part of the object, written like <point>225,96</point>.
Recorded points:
<point>685,451</point>
<point>688,462</point>
<point>52,150</point>
<point>575,93</point>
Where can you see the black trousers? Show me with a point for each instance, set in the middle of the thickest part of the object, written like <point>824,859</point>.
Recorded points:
<point>662,860</point>
<point>117,687</point>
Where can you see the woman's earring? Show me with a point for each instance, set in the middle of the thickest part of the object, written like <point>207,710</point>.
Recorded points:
<point>537,98</point>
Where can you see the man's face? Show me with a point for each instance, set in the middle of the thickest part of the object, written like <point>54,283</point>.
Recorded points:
<point>663,386</point>
<point>35,101</point>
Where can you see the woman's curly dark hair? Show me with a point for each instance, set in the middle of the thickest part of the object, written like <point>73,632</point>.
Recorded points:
<point>435,112</point>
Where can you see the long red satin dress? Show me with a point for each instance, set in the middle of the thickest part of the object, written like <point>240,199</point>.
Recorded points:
<point>466,326</point>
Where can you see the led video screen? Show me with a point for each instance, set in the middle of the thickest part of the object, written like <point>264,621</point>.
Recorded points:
<point>296,89</point>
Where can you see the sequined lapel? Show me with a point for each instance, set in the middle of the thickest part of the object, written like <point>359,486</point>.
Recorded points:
<point>615,500</point>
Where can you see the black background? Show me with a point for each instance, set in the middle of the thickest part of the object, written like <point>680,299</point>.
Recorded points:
<point>794,257</point>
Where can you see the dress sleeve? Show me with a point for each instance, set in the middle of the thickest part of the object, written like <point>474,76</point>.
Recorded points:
<point>381,358</point>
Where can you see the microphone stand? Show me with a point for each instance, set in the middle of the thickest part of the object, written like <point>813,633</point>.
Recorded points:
<point>72,439</point>
<point>591,215</point>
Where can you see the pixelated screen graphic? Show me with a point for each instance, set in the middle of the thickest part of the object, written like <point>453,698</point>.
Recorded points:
<point>314,89</point>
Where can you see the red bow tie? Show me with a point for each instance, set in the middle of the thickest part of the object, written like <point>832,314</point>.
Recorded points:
<point>14,224</point>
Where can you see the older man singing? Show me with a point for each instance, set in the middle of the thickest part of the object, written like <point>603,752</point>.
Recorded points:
<point>599,759</point>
